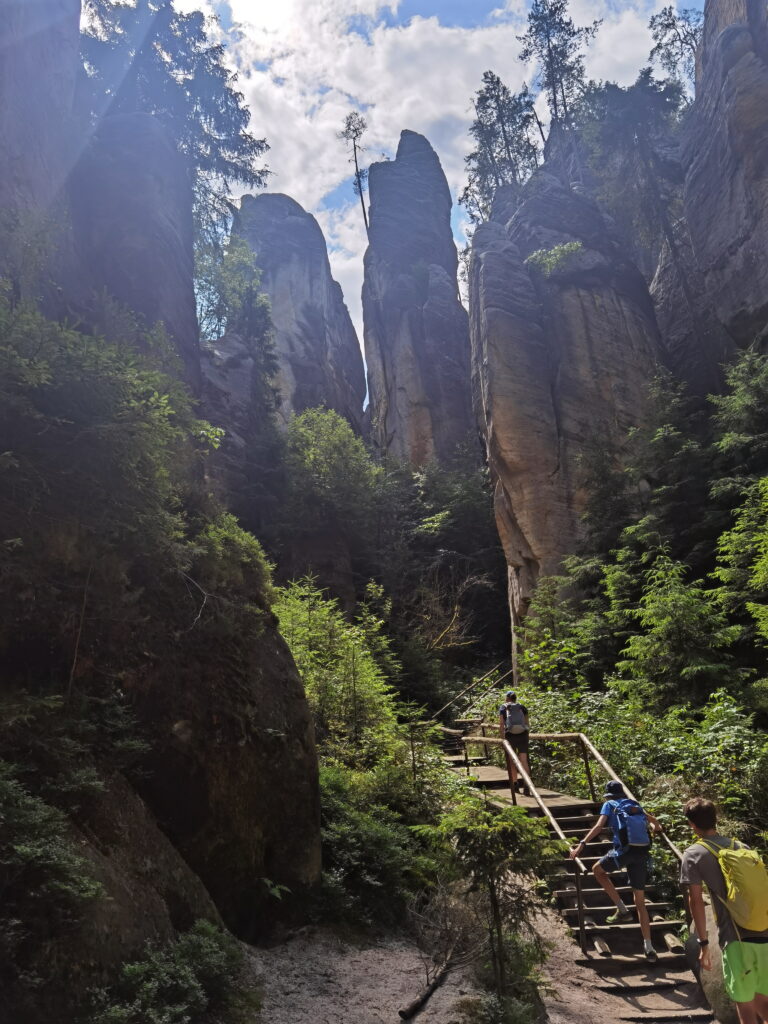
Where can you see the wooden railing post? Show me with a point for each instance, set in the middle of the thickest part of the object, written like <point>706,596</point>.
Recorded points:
<point>588,770</point>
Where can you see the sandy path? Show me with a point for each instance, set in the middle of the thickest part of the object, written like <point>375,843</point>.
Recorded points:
<point>318,978</point>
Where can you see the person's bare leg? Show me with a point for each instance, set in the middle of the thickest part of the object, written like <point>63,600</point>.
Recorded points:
<point>511,769</point>
<point>603,879</point>
<point>524,763</point>
<point>642,913</point>
<point>761,1005</point>
<point>747,1012</point>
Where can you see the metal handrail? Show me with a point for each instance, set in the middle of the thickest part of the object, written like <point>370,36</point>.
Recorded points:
<point>471,686</point>
<point>512,758</point>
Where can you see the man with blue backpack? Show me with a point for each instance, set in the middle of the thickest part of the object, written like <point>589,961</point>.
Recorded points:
<point>632,827</point>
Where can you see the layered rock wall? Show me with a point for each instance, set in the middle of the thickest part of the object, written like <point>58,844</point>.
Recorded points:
<point>725,151</point>
<point>234,781</point>
<point>317,349</point>
<point>416,330</point>
<point>560,366</point>
<point>131,212</point>
<point>39,47</point>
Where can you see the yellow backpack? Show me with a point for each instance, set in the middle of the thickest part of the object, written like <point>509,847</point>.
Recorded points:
<point>746,885</point>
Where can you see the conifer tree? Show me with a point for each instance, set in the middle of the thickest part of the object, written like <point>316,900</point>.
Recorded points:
<point>355,126</point>
<point>556,44</point>
<point>504,130</point>
<point>677,34</point>
<point>147,56</point>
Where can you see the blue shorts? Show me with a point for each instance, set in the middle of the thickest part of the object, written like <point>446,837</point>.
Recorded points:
<point>634,860</point>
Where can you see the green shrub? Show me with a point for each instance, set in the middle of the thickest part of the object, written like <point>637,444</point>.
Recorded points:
<point>173,984</point>
<point>44,881</point>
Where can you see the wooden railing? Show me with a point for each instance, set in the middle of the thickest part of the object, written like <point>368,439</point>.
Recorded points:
<point>587,749</point>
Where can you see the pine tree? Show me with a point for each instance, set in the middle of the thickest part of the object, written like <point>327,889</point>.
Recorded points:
<point>504,130</point>
<point>556,44</point>
<point>147,56</point>
<point>677,34</point>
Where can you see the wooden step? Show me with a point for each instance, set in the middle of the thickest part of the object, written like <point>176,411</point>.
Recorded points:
<point>620,962</point>
<point>667,1016</point>
<point>609,908</point>
<point>626,928</point>
<point>639,987</point>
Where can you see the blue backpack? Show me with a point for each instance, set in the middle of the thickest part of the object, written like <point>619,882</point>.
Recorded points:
<point>632,823</point>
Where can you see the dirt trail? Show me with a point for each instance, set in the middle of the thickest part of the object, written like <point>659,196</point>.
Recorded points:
<point>318,978</point>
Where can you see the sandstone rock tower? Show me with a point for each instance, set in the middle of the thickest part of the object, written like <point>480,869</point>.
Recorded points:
<point>416,330</point>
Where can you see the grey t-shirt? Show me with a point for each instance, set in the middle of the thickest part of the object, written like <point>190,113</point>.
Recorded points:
<point>700,867</point>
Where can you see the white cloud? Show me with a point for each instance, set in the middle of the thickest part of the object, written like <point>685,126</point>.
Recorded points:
<point>304,64</point>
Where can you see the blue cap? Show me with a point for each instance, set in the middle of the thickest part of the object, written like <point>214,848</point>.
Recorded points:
<point>614,790</point>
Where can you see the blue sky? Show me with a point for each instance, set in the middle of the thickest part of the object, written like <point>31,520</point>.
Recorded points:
<point>304,64</point>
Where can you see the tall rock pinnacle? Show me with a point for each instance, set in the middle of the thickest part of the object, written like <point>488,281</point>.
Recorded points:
<point>416,330</point>
<point>318,353</point>
<point>561,363</point>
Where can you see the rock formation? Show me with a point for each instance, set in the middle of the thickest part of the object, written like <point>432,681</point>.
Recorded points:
<point>233,774</point>
<point>725,151</point>
<point>560,364</point>
<point>233,795</point>
<point>318,353</point>
<point>131,210</point>
<point>416,330</point>
<point>39,47</point>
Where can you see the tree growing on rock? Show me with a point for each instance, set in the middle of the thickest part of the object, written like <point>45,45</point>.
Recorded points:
<point>147,56</point>
<point>676,35</point>
<point>506,152</point>
<point>355,126</point>
<point>556,44</point>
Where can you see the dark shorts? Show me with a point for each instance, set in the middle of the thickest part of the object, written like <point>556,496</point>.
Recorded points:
<point>634,860</point>
<point>518,741</point>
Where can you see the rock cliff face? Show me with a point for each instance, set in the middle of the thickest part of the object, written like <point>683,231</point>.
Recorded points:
<point>416,330</point>
<point>233,795</point>
<point>131,210</point>
<point>317,349</point>
<point>39,46</point>
<point>233,774</point>
<point>725,151</point>
<point>560,365</point>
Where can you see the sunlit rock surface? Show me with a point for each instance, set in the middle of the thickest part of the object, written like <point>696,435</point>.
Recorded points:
<point>561,365</point>
<point>416,330</point>
<point>317,349</point>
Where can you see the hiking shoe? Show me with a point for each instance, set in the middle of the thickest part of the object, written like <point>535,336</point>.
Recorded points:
<point>618,916</point>
<point>651,956</point>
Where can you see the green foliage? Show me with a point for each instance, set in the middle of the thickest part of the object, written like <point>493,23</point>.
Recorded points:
<point>682,646</point>
<point>333,480</point>
<point>173,984</point>
<point>628,133</point>
<point>44,881</point>
<point>148,56</point>
<point>506,145</point>
<point>228,295</point>
<point>550,261</point>
<point>676,36</point>
<point>556,45</point>
<point>352,703</point>
<point>372,861</point>
<point>500,853</point>
<point>119,577</point>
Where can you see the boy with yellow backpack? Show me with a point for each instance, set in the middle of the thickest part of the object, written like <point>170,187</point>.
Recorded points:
<point>737,881</point>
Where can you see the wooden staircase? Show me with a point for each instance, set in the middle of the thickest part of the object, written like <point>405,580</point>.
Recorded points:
<point>651,992</point>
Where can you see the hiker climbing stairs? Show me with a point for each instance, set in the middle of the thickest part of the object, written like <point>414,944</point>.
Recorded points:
<point>654,992</point>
